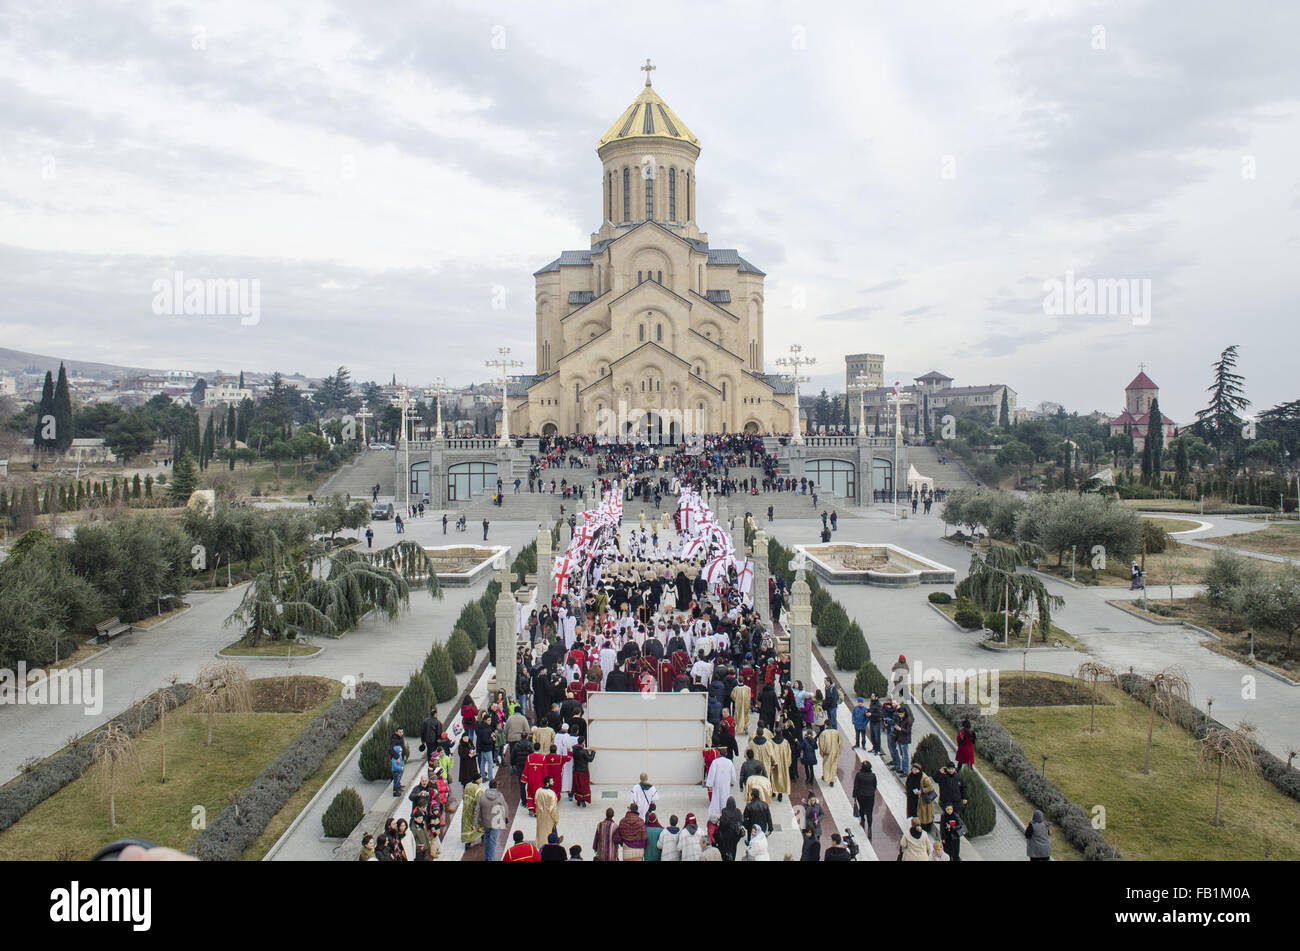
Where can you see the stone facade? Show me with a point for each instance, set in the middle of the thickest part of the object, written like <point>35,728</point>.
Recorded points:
<point>651,330</point>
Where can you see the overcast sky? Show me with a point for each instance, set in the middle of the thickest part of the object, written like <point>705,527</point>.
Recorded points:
<point>908,175</point>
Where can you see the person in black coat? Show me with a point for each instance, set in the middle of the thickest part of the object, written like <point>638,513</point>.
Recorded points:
<point>812,847</point>
<point>617,680</point>
<point>757,815</point>
<point>430,731</point>
<point>767,707</point>
<point>864,795</point>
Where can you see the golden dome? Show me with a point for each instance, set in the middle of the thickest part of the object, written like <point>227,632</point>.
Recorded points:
<point>648,118</point>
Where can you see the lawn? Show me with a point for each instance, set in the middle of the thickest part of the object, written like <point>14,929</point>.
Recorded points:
<point>1212,506</point>
<point>1181,563</point>
<point>1056,633</point>
<point>298,802</point>
<point>1165,815</point>
<point>1172,525</point>
<point>1275,540</point>
<point>269,648</point>
<point>1062,849</point>
<point>74,823</point>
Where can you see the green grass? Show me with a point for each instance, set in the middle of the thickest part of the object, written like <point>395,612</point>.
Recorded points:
<point>1172,525</point>
<point>1054,634</point>
<point>298,802</point>
<point>74,822</point>
<point>269,648</point>
<point>1165,815</point>
<point>1062,849</point>
<point>1275,540</point>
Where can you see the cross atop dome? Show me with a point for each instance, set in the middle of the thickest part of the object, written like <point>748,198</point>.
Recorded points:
<point>648,68</point>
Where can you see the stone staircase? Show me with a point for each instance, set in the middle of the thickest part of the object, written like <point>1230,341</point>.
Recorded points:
<point>949,475</point>
<point>358,478</point>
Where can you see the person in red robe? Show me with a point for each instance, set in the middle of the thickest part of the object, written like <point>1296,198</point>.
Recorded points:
<point>582,758</point>
<point>578,656</point>
<point>553,765</point>
<point>681,661</point>
<point>710,754</point>
<point>534,773</point>
<point>521,851</point>
<point>749,677</point>
<point>667,676</point>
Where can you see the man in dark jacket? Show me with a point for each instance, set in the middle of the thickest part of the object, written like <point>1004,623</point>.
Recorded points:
<point>837,852</point>
<point>519,753</point>
<point>750,767</point>
<point>430,730</point>
<point>874,716</point>
<point>864,795</point>
<point>952,791</point>
<point>757,814</point>
<point>617,680</point>
<point>767,707</point>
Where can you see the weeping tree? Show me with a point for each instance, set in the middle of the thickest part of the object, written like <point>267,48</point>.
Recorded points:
<point>1167,688</point>
<point>164,700</point>
<point>222,688</point>
<point>289,598</point>
<point>1233,750</point>
<point>1095,671</point>
<point>116,762</point>
<point>995,584</point>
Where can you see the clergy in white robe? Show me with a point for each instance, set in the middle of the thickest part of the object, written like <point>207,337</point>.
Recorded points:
<point>570,631</point>
<point>720,781</point>
<point>564,744</point>
<point>608,661</point>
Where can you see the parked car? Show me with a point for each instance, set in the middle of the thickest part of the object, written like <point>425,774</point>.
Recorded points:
<point>382,510</point>
<point>381,445</point>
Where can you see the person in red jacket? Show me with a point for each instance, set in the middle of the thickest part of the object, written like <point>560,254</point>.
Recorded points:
<point>521,851</point>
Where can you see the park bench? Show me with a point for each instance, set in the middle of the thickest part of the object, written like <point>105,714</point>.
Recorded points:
<point>105,631</point>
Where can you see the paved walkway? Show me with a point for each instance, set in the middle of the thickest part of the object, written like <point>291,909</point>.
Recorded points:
<point>901,622</point>
<point>139,663</point>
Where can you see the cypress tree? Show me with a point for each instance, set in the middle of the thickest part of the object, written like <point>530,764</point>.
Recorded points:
<point>1156,437</point>
<point>135,486</point>
<point>148,486</point>
<point>44,408</point>
<point>185,479</point>
<point>62,412</point>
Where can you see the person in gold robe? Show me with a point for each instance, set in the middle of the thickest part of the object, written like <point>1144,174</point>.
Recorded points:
<point>829,745</point>
<point>779,771</point>
<point>548,811</point>
<point>740,699</point>
<point>760,784</point>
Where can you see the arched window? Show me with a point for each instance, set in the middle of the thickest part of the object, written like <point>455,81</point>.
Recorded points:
<point>649,197</point>
<point>724,391</point>
<point>659,333</point>
<point>643,386</point>
<point>672,194</point>
<point>688,196</point>
<point>609,197</point>
<point>575,392</point>
<point>640,332</point>
<point>659,277</point>
<point>627,193</point>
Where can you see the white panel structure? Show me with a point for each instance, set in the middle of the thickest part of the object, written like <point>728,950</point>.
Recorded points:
<point>660,734</point>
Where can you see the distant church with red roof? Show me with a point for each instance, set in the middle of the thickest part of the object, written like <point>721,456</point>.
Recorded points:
<point>1136,418</point>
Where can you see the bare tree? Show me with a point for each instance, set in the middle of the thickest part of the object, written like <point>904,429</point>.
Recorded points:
<point>1094,671</point>
<point>165,699</point>
<point>222,688</point>
<point>117,761</point>
<point>1231,749</point>
<point>1167,688</point>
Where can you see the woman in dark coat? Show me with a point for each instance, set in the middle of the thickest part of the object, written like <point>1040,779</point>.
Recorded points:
<point>730,830</point>
<point>468,765</point>
<point>951,828</point>
<point>767,707</point>
<point>864,795</point>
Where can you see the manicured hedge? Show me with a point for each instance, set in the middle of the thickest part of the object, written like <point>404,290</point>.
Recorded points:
<point>375,761</point>
<point>440,673</point>
<point>999,747</point>
<point>461,651</point>
<point>473,621</point>
<point>413,704</point>
<point>940,597</point>
<point>981,813</point>
<point>870,680</point>
<point>968,618</point>
<point>36,785</point>
<point>343,814</point>
<point>931,754</point>
<point>240,823</point>
<point>852,652</point>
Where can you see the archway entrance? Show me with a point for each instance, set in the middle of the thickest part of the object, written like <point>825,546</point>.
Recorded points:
<point>550,429</point>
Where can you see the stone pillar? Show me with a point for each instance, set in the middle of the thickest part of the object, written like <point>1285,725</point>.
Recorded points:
<point>760,572</point>
<point>544,580</point>
<point>801,631</point>
<point>506,639</point>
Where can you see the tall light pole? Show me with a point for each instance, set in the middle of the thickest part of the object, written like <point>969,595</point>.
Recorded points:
<point>406,447</point>
<point>794,362</point>
<point>505,365</point>
<point>861,382</point>
<point>898,399</point>
<point>439,390</point>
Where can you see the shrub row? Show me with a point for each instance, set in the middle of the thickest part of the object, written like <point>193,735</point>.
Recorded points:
<point>999,747</point>
<point>1285,778</point>
<point>41,782</point>
<point>241,822</point>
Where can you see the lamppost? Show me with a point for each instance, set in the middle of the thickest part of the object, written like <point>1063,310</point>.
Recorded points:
<point>505,365</point>
<point>861,382</point>
<point>794,362</point>
<point>439,390</point>
<point>406,447</point>
<point>898,399</point>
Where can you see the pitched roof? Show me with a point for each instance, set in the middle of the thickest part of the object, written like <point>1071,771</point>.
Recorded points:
<point>1141,382</point>
<point>933,375</point>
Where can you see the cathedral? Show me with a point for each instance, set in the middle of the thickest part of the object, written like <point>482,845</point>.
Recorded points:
<point>651,333</point>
